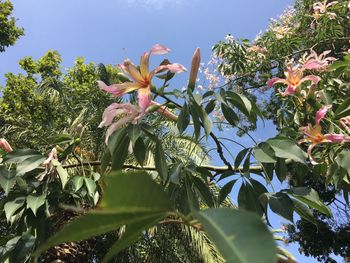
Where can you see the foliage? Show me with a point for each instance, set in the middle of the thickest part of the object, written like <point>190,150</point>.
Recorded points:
<point>9,32</point>
<point>155,169</point>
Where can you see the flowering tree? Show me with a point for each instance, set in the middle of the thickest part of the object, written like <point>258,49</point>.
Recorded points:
<point>136,184</point>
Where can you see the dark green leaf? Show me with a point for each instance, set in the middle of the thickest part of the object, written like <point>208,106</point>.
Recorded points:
<point>282,205</point>
<point>34,202</point>
<point>184,118</point>
<point>160,161</point>
<point>225,191</point>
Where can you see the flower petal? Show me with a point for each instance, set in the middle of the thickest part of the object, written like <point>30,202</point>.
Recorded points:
<point>337,138</point>
<point>158,49</point>
<point>133,72</point>
<point>109,113</point>
<point>144,98</point>
<point>321,113</point>
<point>144,64</point>
<point>273,81</point>
<point>289,90</point>
<point>314,79</point>
<point>118,90</point>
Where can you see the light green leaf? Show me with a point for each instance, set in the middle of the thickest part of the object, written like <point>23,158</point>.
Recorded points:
<point>29,164</point>
<point>134,192</point>
<point>34,202</point>
<point>7,179</point>
<point>312,199</point>
<point>285,148</point>
<point>77,182</point>
<point>90,186</point>
<point>241,237</point>
<point>264,153</point>
<point>11,207</point>
<point>62,173</point>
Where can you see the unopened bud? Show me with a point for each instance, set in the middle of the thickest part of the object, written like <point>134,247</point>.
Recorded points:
<point>196,59</point>
<point>4,145</point>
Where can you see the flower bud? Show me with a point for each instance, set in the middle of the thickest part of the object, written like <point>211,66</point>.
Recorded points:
<point>196,59</point>
<point>4,145</point>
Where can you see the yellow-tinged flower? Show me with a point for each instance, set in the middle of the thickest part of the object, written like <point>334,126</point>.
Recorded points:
<point>142,77</point>
<point>314,136</point>
<point>294,78</point>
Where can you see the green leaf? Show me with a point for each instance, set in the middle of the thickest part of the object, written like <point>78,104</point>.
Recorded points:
<point>160,161</point>
<point>7,179</point>
<point>62,173</point>
<point>11,207</point>
<point>303,211</point>
<point>134,133</point>
<point>34,202</point>
<point>240,156</point>
<point>229,115</point>
<point>312,199</point>
<point>343,110</point>
<point>225,191</point>
<point>129,198</point>
<point>131,235</point>
<point>264,153</point>
<point>285,148</point>
<point>248,196</point>
<point>93,224</point>
<point>175,173</point>
<point>77,182</point>
<point>29,164</point>
<point>241,237</point>
<point>20,155</point>
<point>120,153</point>
<point>134,192</point>
<point>282,205</point>
<point>281,169</point>
<point>90,186</point>
<point>140,151</point>
<point>184,118</point>
<point>115,139</point>
<point>204,191</point>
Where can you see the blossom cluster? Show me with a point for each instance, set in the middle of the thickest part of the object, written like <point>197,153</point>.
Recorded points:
<point>294,79</point>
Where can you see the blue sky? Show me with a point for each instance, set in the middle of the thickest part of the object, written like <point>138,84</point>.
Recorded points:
<point>108,31</point>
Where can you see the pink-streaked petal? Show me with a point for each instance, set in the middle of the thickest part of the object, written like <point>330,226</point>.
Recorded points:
<point>289,91</point>
<point>5,146</point>
<point>52,156</point>
<point>174,68</point>
<point>158,49</point>
<point>270,83</point>
<point>109,113</point>
<point>337,138</point>
<point>117,125</point>
<point>118,90</point>
<point>309,153</point>
<point>144,98</point>
<point>144,63</point>
<point>321,113</point>
<point>314,79</point>
<point>313,64</point>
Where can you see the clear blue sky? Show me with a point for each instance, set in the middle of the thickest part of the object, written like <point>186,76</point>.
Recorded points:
<point>107,31</point>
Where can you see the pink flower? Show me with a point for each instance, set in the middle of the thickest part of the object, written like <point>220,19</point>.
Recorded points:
<point>321,113</point>
<point>124,112</point>
<point>52,156</point>
<point>294,78</point>
<point>314,135</point>
<point>320,9</point>
<point>5,146</point>
<point>345,123</point>
<point>142,77</point>
<point>317,62</point>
